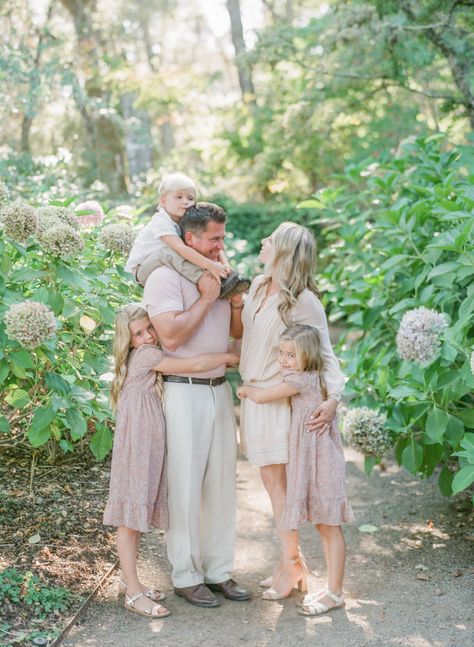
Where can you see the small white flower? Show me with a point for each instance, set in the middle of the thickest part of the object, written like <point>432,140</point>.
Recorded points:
<point>19,220</point>
<point>31,323</point>
<point>472,362</point>
<point>118,238</point>
<point>94,215</point>
<point>365,430</point>
<point>418,338</point>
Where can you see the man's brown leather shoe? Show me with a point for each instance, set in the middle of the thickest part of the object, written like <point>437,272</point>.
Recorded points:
<point>199,595</point>
<point>230,590</point>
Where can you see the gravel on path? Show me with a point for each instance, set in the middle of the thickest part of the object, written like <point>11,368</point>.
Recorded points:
<point>408,583</point>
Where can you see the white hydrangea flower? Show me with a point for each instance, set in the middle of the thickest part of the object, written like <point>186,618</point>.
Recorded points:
<point>62,240</point>
<point>31,323</point>
<point>19,220</point>
<point>51,215</point>
<point>118,238</point>
<point>94,216</point>
<point>418,338</point>
<point>365,430</point>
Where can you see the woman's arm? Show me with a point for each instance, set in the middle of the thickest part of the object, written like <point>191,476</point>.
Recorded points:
<point>217,269</point>
<point>264,395</point>
<point>198,364</point>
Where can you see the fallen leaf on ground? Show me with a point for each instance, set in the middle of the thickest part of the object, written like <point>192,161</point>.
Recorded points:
<point>457,573</point>
<point>34,539</point>
<point>367,527</point>
<point>422,576</point>
<point>420,567</point>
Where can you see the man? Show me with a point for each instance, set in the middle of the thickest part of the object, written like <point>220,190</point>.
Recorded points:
<point>199,415</point>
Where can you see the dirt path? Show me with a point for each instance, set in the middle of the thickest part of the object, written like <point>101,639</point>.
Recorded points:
<point>410,583</point>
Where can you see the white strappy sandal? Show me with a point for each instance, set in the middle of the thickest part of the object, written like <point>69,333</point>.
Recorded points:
<point>156,611</point>
<point>311,605</point>
<point>152,594</point>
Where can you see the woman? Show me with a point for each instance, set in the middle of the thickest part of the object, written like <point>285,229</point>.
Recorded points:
<point>285,295</point>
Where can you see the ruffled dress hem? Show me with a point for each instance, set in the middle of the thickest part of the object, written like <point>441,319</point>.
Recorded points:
<point>312,509</point>
<point>134,516</point>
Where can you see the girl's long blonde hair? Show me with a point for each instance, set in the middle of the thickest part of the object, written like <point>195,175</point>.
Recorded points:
<point>294,259</point>
<point>121,350</point>
<point>308,350</point>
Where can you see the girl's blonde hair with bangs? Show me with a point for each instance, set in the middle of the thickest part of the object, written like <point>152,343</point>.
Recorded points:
<point>121,350</point>
<point>294,259</point>
<point>308,350</point>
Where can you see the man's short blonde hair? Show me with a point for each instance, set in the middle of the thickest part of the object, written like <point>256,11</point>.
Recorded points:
<point>176,182</point>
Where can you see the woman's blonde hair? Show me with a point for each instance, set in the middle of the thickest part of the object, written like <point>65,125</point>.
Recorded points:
<point>294,259</point>
<point>121,350</point>
<point>308,349</point>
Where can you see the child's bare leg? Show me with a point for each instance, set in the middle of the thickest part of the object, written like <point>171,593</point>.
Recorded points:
<point>127,546</point>
<point>334,548</point>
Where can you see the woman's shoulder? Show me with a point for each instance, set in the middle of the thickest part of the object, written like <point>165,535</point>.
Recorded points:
<point>308,302</point>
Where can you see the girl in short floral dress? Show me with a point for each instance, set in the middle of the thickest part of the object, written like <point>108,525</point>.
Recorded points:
<point>316,466</point>
<point>137,498</point>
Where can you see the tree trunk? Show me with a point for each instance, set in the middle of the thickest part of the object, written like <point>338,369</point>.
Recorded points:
<point>243,69</point>
<point>106,138</point>
<point>138,139</point>
<point>33,83</point>
<point>460,62</point>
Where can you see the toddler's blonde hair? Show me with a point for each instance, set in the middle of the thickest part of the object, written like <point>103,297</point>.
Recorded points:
<point>308,349</point>
<point>121,350</point>
<point>176,182</point>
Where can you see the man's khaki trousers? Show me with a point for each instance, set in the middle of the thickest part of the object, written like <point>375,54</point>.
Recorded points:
<point>201,447</point>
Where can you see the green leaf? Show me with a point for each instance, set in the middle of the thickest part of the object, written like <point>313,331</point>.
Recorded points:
<point>22,358</point>
<point>400,392</point>
<point>455,430</point>
<point>57,383</point>
<point>76,423</point>
<point>66,446</point>
<point>369,464</point>
<point>436,424</point>
<point>18,399</point>
<point>42,417</point>
<point>444,268</point>
<point>38,437</point>
<point>467,416</point>
<point>445,481</point>
<point>431,457</point>
<point>463,479</point>
<point>101,442</point>
<point>4,371</point>
<point>412,456</point>
<point>4,425</point>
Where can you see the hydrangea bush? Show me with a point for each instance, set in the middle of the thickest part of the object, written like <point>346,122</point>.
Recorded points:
<point>399,271</point>
<point>60,288</point>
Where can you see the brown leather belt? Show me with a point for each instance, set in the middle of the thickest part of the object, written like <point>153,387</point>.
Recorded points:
<point>208,381</point>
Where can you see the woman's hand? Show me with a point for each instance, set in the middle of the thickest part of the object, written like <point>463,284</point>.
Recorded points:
<point>322,417</point>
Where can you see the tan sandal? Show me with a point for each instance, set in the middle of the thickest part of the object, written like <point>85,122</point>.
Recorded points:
<point>152,594</point>
<point>298,578</point>
<point>156,611</point>
<point>312,606</point>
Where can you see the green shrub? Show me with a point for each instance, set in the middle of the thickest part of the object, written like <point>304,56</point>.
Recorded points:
<point>400,237</point>
<point>53,392</point>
